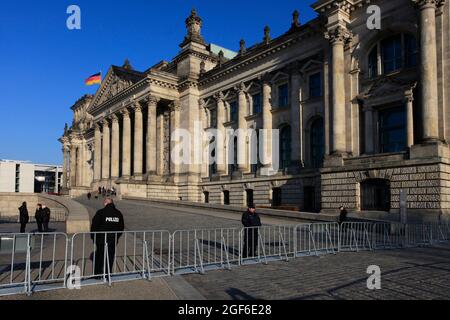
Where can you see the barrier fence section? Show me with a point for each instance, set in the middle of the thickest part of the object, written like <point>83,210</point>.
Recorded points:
<point>206,249</point>
<point>42,261</point>
<point>118,256</point>
<point>32,262</point>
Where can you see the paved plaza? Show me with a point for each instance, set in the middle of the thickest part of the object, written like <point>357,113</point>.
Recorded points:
<point>416,273</point>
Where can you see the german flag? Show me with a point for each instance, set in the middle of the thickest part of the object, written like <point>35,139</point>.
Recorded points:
<point>94,79</point>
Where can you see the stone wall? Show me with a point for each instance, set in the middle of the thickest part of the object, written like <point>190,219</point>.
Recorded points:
<point>10,202</point>
<point>427,186</point>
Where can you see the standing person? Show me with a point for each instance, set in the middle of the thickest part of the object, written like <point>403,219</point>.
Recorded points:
<point>45,217</point>
<point>89,196</point>
<point>23,217</point>
<point>251,222</point>
<point>108,219</point>
<point>342,214</point>
<point>99,190</point>
<point>38,217</point>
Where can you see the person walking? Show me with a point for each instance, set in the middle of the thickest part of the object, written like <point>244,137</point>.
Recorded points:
<point>107,226</point>
<point>89,195</point>
<point>38,217</point>
<point>45,217</point>
<point>251,222</point>
<point>23,217</point>
<point>342,215</point>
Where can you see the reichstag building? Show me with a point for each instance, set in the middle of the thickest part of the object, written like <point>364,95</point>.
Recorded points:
<point>361,115</point>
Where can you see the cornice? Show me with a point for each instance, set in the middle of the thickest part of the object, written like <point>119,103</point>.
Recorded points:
<point>255,54</point>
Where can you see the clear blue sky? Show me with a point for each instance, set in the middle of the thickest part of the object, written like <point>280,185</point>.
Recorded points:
<point>43,64</point>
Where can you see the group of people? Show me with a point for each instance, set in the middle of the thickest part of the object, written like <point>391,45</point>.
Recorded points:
<point>42,216</point>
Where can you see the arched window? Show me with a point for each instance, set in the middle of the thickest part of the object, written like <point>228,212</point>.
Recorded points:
<point>375,195</point>
<point>317,143</point>
<point>394,53</point>
<point>285,147</point>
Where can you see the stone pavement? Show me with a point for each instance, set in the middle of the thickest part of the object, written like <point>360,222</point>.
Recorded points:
<point>417,273</point>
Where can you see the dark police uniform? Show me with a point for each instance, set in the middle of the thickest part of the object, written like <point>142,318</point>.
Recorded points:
<point>108,219</point>
<point>250,220</point>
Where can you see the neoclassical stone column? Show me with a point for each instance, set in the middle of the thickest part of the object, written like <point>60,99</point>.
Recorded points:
<point>126,144</point>
<point>97,153</point>
<point>338,36</point>
<point>409,121</point>
<point>115,144</point>
<point>65,166</point>
<point>175,108</point>
<point>138,141</point>
<point>428,68</point>
<point>80,169</point>
<point>295,117</point>
<point>220,147</point>
<point>73,165</point>
<point>105,150</point>
<point>242,124</point>
<point>369,131</point>
<point>267,124</point>
<point>151,135</point>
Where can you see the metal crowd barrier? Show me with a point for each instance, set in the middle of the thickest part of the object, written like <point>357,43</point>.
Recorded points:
<point>32,262</point>
<point>207,249</point>
<point>120,256</point>
<point>42,261</point>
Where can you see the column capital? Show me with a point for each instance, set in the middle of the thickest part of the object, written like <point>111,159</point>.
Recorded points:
<point>137,107</point>
<point>219,96</point>
<point>409,98</point>
<point>105,122</point>
<point>152,100</point>
<point>175,106</point>
<point>338,35</point>
<point>426,4</point>
<point>97,126</point>
<point>125,112</point>
<point>240,88</point>
<point>114,118</point>
<point>201,103</point>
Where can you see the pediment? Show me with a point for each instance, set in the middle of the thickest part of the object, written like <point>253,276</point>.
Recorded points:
<point>387,86</point>
<point>116,80</point>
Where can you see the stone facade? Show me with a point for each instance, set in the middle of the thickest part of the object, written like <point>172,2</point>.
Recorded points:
<point>362,115</point>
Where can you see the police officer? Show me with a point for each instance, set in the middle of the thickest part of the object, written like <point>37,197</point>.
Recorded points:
<point>251,222</point>
<point>45,217</point>
<point>23,217</point>
<point>108,219</point>
<point>38,216</point>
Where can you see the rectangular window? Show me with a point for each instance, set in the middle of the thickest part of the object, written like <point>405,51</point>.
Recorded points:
<point>249,194</point>
<point>226,197</point>
<point>392,130</point>
<point>373,63</point>
<point>410,51</point>
<point>256,103</point>
<point>391,51</point>
<point>315,85</point>
<point>17,185</point>
<point>276,197</point>
<point>213,123</point>
<point>283,96</point>
<point>233,111</point>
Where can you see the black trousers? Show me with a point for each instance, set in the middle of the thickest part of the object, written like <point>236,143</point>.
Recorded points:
<point>100,257</point>
<point>39,225</point>
<point>45,224</point>
<point>250,243</point>
<point>22,227</point>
